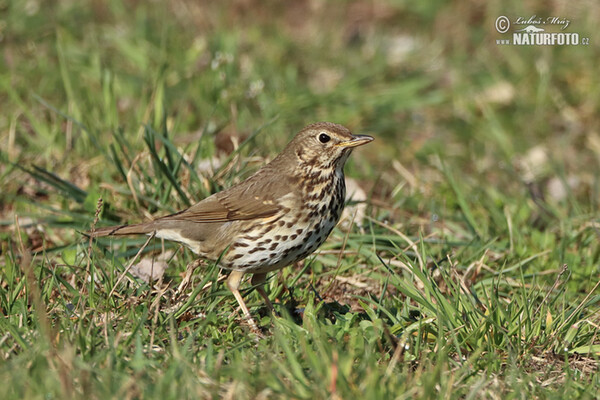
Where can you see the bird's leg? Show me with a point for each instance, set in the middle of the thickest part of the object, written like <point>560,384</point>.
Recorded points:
<point>233,283</point>
<point>187,278</point>
<point>258,280</point>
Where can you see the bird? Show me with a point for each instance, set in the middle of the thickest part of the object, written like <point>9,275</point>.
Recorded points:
<point>278,216</point>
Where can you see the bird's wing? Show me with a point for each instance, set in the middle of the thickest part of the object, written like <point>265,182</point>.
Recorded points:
<point>250,200</point>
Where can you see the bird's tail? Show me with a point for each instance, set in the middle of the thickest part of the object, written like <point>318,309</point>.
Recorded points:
<point>137,229</point>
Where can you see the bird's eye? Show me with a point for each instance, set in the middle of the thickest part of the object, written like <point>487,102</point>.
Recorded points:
<point>324,138</point>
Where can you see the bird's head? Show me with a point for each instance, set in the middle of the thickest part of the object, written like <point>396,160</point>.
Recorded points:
<point>324,145</point>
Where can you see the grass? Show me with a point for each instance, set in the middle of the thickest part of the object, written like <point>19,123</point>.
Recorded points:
<point>473,273</point>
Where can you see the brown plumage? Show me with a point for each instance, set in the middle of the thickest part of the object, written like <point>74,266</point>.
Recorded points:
<point>278,216</point>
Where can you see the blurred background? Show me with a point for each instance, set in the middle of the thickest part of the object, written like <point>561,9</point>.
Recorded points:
<point>427,80</point>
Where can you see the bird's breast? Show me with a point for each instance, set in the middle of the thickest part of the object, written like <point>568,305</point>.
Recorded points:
<point>293,234</point>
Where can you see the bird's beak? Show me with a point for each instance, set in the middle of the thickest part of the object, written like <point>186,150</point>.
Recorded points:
<point>357,140</point>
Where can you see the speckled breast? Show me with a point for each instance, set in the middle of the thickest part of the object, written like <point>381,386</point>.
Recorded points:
<point>291,235</point>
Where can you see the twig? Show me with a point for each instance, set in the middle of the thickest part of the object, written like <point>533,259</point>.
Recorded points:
<point>564,269</point>
<point>131,263</point>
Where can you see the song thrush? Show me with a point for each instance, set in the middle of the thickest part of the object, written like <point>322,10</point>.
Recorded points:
<point>278,216</point>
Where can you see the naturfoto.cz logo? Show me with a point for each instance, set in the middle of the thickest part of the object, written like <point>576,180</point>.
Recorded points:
<point>532,31</point>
